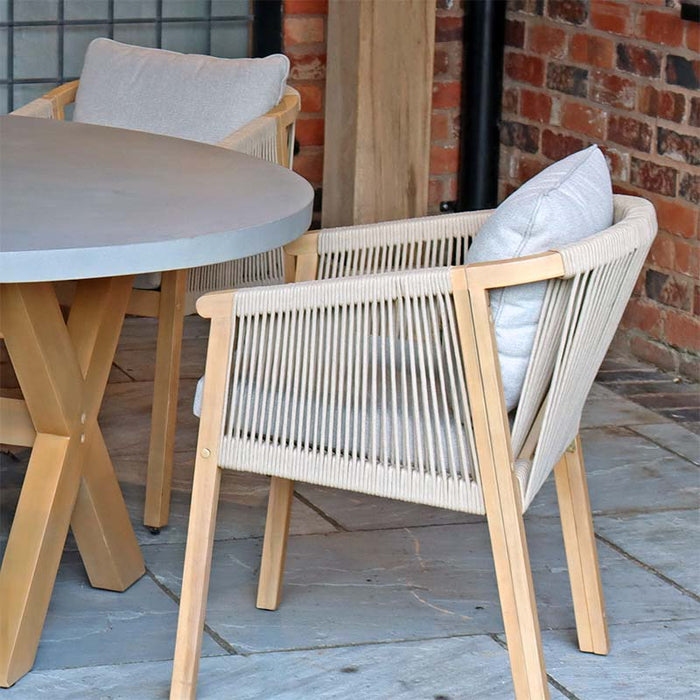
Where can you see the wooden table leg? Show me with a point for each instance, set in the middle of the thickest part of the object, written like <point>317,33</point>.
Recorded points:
<point>63,376</point>
<point>165,393</point>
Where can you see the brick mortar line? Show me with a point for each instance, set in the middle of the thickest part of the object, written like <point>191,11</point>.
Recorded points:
<point>647,567</point>
<point>216,637</point>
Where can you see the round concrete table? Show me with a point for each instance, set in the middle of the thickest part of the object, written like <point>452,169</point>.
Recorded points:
<point>99,205</point>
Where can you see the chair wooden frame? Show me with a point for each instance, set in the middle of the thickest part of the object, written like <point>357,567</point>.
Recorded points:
<point>167,305</point>
<point>501,488</point>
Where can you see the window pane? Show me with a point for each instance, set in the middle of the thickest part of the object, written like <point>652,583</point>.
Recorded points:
<point>132,9</point>
<point>230,8</point>
<point>186,37</point>
<point>229,39</point>
<point>86,9</point>
<point>32,10</point>
<point>75,45</point>
<point>36,52</point>
<point>138,34</point>
<point>184,8</point>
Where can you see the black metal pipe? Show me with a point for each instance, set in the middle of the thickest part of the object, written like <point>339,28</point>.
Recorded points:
<point>267,27</point>
<point>482,79</point>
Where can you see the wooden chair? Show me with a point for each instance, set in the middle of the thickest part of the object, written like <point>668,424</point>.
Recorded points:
<point>389,384</point>
<point>271,137</point>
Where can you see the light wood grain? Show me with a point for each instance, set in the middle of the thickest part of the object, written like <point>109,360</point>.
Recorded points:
<point>581,552</point>
<point>501,489</point>
<point>200,534</point>
<point>165,393</point>
<point>274,554</point>
<point>378,105</point>
<point>62,371</point>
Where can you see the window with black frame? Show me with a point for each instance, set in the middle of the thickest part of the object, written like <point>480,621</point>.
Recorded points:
<point>43,42</point>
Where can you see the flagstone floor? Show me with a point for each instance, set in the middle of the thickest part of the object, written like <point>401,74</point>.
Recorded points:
<point>383,599</point>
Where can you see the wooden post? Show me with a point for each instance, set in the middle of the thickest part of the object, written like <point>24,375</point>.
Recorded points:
<point>378,102</point>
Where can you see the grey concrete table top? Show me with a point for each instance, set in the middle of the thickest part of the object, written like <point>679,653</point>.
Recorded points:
<point>80,201</point>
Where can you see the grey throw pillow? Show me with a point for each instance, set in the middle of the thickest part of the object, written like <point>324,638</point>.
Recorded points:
<point>568,201</point>
<point>185,95</point>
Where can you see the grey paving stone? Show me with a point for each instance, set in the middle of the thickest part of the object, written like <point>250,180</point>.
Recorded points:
<point>357,511</point>
<point>674,437</point>
<point>469,667</point>
<point>668,542</point>
<point>86,626</point>
<point>137,346</point>
<point>351,588</point>
<point>628,473</point>
<point>647,660</point>
<point>605,408</point>
<point>241,512</point>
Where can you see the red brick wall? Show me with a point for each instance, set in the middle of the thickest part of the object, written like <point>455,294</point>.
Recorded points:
<point>305,44</point>
<point>624,75</point>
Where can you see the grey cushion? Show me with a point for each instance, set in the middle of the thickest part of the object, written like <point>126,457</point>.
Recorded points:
<point>184,95</point>
<point>568,201</point>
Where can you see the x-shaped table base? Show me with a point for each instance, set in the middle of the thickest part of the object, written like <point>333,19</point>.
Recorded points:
<point>62,370</point>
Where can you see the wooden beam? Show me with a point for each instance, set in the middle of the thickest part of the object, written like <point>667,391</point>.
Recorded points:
<point>378,105</point>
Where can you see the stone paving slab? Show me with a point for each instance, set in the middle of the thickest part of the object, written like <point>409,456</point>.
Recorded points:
<point>469,667</point>
<point>658,660</point>
<point>241,513</point>
<point>359,587</point>
<point>628,473</point>
<point>668,542</point>
<point>86,626</point>
<point>605,407</point>
<point>358,511</point>
<point>674,437</point>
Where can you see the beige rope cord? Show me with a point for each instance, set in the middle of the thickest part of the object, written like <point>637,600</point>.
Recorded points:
<point>431,241</point>
<point>359,383</point>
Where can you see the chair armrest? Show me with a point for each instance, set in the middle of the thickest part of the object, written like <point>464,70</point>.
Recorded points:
<point>51,105</point>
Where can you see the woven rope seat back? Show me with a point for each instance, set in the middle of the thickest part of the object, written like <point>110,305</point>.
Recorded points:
<point>359,382</point>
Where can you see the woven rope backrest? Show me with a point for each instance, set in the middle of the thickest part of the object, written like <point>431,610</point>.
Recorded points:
<point>427,242</point>
<point>580,316</point>
<point>356,370</point>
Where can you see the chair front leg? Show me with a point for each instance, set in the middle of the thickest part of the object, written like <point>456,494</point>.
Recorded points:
<point>501,490</point>
<point>581,552</point>
<point>165,394</point>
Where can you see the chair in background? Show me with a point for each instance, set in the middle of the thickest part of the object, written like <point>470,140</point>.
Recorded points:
<point>170,296</point>
<point>390,384</point>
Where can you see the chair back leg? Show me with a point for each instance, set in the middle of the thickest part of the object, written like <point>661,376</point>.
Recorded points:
<point>279,508</point>
<point>581,553</point>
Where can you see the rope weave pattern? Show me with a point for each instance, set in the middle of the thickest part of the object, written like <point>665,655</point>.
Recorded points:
<point>353,382</point>
<point>432,241</point>
<point>358,382</point>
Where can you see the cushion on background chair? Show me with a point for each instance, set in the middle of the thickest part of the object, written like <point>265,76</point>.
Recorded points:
<point>568,201</point>
<point>184,95</point>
